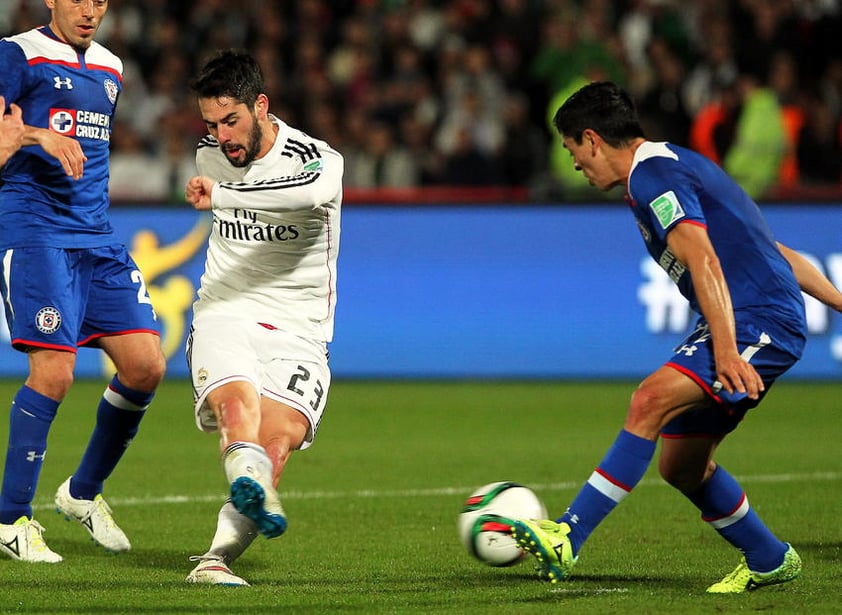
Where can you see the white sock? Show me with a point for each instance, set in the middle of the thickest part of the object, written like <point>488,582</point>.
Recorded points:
<point>234,533</point>
<point>246,459</point>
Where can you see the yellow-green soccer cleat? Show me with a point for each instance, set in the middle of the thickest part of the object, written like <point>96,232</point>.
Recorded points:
<point>743,580</point>
<point>548,542</point>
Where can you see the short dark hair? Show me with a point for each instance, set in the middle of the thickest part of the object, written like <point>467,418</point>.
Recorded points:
<point>230,73</point>
<point>605,108</point>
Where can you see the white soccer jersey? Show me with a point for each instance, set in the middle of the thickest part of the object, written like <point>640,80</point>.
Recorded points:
<point>273,248</point>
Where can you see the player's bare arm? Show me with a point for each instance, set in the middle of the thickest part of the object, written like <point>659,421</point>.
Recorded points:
<point>811,280</point>
<point>66,150</point>
<point>198,192</point>
<point>691,245</point>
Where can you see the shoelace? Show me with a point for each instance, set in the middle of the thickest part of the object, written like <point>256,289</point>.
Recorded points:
<point>36,540</point>
<point>105,511</point>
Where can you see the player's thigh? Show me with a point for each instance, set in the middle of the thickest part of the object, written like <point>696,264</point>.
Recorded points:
<point>138,357</point>
<point>44,293</point>
<point>283,424</point>
<point>663,395</point>
<point>220,351</point>
<point>302,385</point>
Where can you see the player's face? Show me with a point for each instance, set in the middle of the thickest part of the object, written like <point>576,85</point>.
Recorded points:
<point>588,157</point>
<point>76,21</point>
<point>235,126</point>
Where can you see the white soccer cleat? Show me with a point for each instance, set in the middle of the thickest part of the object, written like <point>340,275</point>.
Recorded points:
<point>211,570</point>
<point>95,516</point>
<point>23,541</point>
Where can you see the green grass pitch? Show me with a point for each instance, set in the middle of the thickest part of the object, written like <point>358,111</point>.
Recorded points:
<point>373,504</point>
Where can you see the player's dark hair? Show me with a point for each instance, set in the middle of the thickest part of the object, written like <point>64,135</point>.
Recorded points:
<point>605,108</point>
<point>230,73</point>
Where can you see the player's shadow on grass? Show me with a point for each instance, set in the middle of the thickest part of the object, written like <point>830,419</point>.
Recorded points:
<point>151,558</point>
<point>819,551</point>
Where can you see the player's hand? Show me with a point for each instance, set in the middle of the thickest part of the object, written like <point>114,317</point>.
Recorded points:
<point>737,374</point>
<point>66,150</point>
<point>198,192</point>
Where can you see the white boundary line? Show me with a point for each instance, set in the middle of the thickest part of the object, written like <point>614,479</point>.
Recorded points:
<point>435,492</point>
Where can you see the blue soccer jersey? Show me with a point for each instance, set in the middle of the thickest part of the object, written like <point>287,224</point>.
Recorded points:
<point>670,185</point>
<point>73,93</point>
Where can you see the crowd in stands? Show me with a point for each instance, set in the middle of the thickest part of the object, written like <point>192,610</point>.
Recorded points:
<point>426,93</point>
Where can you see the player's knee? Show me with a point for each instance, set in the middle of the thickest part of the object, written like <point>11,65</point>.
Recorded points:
<point>647,411</point>
<point>51,377</point>
<point>686,481</point>
<point>145,373</point>
<point>55,386</point>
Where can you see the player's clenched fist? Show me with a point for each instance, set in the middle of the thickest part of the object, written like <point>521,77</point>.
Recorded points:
<point>198,192</point>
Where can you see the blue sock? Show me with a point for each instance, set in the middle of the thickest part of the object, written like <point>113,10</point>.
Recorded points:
<point>117,421</point>
<point>618,473</point>
<point>725,507</point>
<point>29,423</point>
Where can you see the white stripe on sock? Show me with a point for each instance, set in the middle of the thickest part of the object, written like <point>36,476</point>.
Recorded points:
<point>606,487</point>
<point>118,401</point>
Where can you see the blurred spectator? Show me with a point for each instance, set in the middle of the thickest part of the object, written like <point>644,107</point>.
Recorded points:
<point>469,117</point>
<point>416,135</point>
<point>819,148</point>
<point>136,173</point>
<point>564,56</point>
<point>381,163</point>
<point>712,127</point>
<point>783,81</point>
<point>466,164</point>
<point>754,156</point>
<point>524,149</point>
<point>661,106</point>
<point>715,69</point>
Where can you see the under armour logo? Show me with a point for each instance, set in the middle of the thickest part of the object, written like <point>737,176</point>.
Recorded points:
<point>687,350</point>
<point>33,455</point>
<point>63,83</point>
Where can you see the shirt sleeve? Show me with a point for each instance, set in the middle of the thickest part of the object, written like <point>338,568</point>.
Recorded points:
<point>318,184</point>
<point>12,61</point>
<point>668,192</point>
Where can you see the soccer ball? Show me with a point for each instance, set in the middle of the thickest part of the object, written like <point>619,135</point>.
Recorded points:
<point>486,520</point>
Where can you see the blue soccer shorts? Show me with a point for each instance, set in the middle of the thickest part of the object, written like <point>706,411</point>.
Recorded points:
<point>65,298</point>
<point>694,358</point>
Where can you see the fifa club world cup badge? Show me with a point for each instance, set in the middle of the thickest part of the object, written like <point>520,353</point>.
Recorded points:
<point>111,90</point>
<point>48,320</point>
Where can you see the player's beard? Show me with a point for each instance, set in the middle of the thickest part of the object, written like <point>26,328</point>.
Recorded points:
<point>251,151</point>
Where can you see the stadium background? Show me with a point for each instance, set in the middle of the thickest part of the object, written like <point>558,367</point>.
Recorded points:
<point>467,251</point>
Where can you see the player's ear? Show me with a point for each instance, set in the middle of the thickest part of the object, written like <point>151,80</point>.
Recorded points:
<point>261,105</point>
<point>590,139</point>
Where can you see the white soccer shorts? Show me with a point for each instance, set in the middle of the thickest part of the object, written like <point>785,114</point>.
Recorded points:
<point>281,366</point>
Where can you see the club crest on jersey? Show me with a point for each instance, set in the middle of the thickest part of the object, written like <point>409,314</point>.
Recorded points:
<point>63,121</point>
<point>111,90</point>
<point>48,320</point>
<point>667,209</point>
